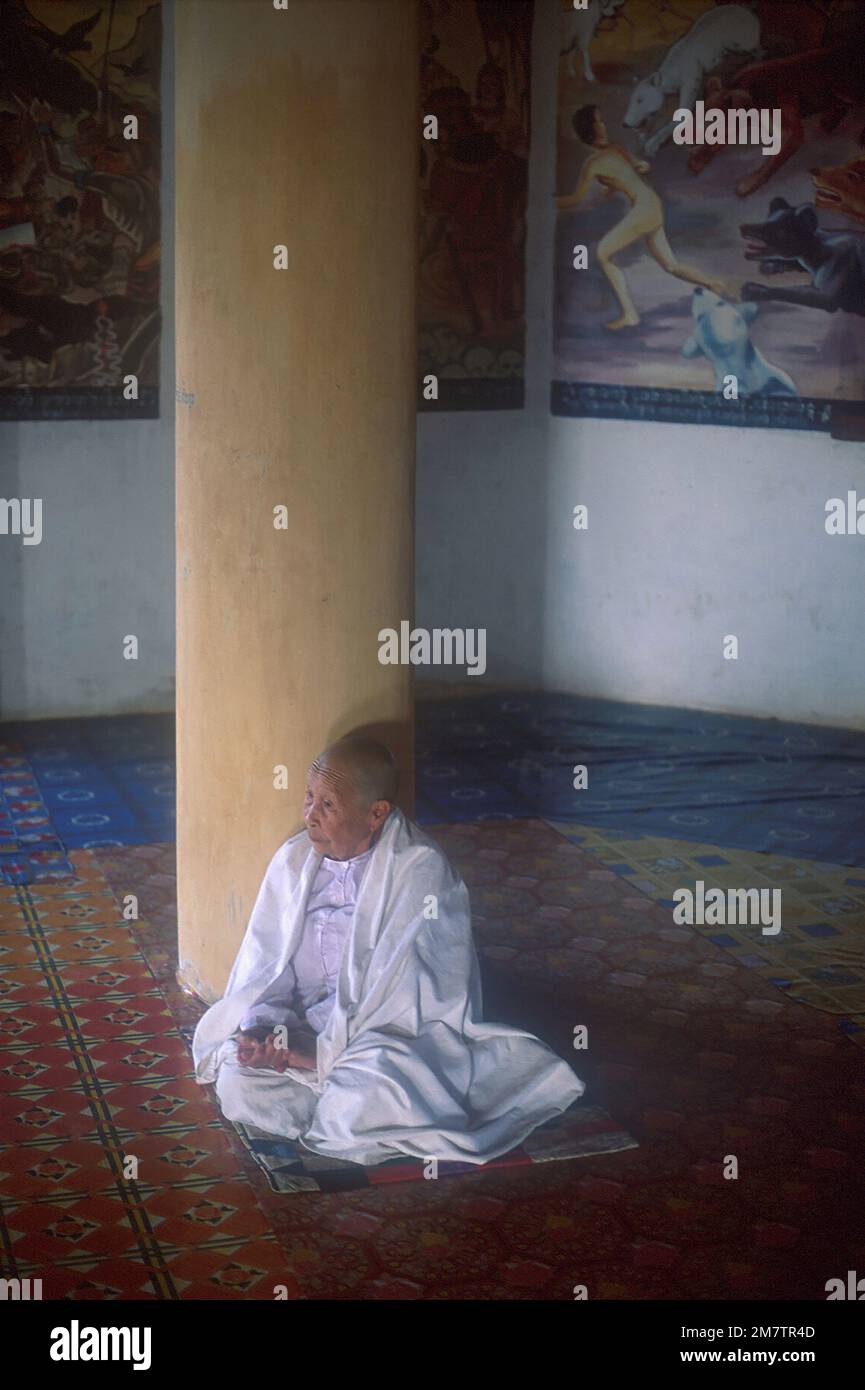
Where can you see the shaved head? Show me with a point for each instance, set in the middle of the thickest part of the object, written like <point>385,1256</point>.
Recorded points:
<point>368,765</point>
<point>350,791</point>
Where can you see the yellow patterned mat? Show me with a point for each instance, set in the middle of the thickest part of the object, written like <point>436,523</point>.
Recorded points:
<point>818,958</point>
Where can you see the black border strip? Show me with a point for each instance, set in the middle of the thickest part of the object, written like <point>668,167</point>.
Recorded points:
<point>61,403</point>
<point>475,393</point>
<point>600,400</point>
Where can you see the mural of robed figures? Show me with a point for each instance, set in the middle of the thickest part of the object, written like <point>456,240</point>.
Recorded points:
<point>79,208</point>
<point>710,213</point>
<point>475,83</point>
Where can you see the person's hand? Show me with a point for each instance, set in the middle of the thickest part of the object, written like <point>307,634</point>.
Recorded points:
<point>250,1049</point>
<point>301,1057</point>
<point>300,1051</point>
<point>253,1051</point>
<point>279,1057</point>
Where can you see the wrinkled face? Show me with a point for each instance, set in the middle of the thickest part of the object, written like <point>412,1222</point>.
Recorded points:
<point>337,823</point>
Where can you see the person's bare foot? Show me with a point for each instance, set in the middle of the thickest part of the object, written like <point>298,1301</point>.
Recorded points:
<point>624,321</point>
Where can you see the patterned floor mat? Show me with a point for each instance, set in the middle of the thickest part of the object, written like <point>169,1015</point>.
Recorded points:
<point>756,784</point>
<point>693,1055</point>
<point>30,847</point>
<point>82,783</point>
<point>818,957</point>
<point>290,1168</point>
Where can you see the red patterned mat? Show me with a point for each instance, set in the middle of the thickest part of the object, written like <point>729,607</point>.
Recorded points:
<point>697,1058</point>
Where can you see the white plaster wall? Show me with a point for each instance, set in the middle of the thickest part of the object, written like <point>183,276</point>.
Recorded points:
<point>694,533</point>
<point>105,567</point>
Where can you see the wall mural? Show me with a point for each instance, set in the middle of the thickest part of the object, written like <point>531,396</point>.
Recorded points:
<point>475,81</point>
<point>711,160</point>
<point>79,209</point>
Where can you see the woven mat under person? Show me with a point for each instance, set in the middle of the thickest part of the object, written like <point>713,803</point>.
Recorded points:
<point>289,1167</point>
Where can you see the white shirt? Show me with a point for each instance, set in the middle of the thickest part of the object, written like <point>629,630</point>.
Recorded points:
<point>307,986</point>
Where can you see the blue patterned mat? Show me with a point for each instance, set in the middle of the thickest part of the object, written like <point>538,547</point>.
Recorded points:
<point>756,784</point>
<point>82,783</point>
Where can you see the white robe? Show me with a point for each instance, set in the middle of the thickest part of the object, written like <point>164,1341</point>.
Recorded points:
<point>404,1065</point>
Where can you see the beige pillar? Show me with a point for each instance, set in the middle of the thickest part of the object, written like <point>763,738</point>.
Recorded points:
<point>299,128</point>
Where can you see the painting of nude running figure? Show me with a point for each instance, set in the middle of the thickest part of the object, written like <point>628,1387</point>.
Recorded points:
<point>685,259</point>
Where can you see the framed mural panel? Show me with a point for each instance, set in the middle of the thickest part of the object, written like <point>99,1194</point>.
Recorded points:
<point>710,242</point>
<point>474,179</point>
<point>79,209</point>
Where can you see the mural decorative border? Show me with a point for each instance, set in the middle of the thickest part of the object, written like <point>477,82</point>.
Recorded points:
<point>469,393</point>
<point>604,401</point>
<point>684,254</point>
<point>78,404</point>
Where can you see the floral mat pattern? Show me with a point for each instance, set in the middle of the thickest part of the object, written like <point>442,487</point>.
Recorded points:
<point>697,1056</point>
<point>817,958</point>
<point>759,793</point>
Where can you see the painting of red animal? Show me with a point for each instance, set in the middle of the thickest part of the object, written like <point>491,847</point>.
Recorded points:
<point>757,199</point>
<point>841,188</point>
<point>826,82</point>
